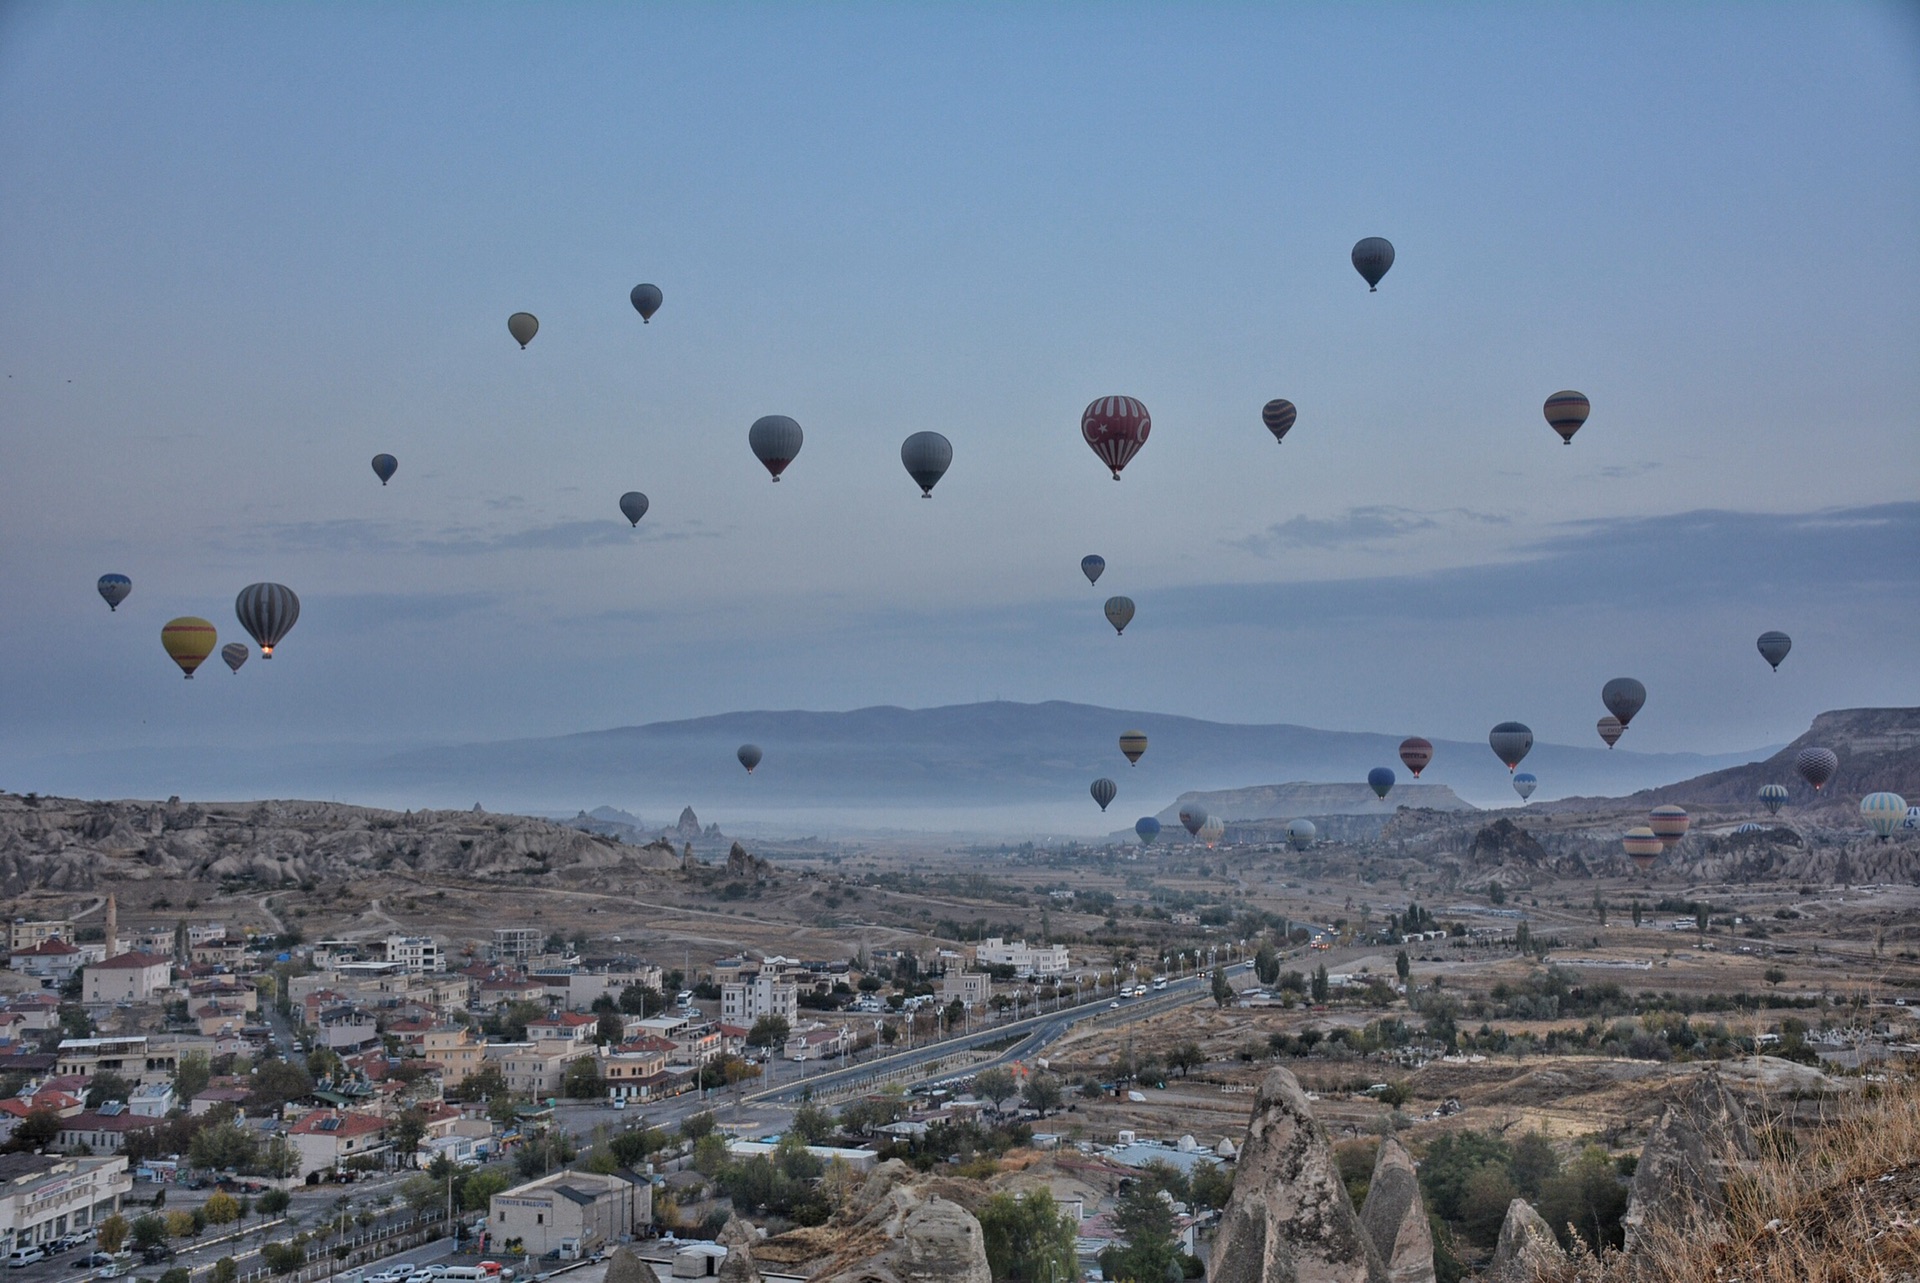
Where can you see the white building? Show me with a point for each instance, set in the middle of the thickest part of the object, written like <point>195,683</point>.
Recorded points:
<point>416,954</point>
<point>131,977</point>
<point>744,1001</point>
<point>569,1212</point>
<point>43,1197</point>
<point>1025,959</point>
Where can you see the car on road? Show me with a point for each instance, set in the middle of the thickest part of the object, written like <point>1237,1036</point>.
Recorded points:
<point>157,1253</point>
<point>24,1256</point>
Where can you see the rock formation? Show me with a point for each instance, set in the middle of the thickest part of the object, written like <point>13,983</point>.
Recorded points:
<point>1682,1173</point>
<point>1526,1247</point>
<point>1395,1216</point>
<point>903,1228</point>
<point>738,1238</point>
<point>625,1267</point>
<point>742,864</point>
<point>689,825</point>
<point>1289,1219</point>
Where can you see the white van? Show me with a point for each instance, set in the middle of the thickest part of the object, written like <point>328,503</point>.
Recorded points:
<point>467,1274</point>
<point>21,1256</point>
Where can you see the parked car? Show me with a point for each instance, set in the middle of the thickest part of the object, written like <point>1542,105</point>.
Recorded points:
<point>157,1253</point>
<point>23,1256</point>
<point>94,1260</point>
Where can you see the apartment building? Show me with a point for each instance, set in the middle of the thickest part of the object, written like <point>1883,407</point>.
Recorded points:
<point>43,1197</point>
<point>745,1001</point>
<point>1025,959</point>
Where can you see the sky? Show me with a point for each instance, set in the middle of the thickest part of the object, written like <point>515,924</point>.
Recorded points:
<point>248,247</point>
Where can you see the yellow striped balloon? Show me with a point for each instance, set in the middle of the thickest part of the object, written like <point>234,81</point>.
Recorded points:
<point>1883,812</point>
<point>1643,846</point>
<point>189,640</point>
<point>1669,824</point>
<point>1134,745</point>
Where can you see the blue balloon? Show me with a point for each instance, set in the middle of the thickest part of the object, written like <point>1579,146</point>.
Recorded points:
<point>1092,567</point>
<point>1148,829</point>
<point>1380,780</point>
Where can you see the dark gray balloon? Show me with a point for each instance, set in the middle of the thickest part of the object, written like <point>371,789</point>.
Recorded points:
<point>268,612</point>
<point>384,466</point>
<point>633,506</point>
<point>749,755</point>
<point>1774,646</point>
<point>927,455</point>
<point>235,654</point>
<point>1104,791</point>
<point>1511,742</point>
<point>646,301</point>
<point>523,326</point>
<point>1371,258</point>
<point>1192,816</point>
<point>1119,613</point>
<point>775,440</point>
<point>1093,566</point>
<point>1623,697</point>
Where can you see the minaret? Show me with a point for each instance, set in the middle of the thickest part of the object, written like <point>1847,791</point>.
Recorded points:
<point>113,926</point>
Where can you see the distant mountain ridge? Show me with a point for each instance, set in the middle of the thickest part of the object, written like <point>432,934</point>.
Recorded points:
<point>1291,801</point>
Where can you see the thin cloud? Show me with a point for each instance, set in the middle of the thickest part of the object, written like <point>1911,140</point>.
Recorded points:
<point>1364,528</point>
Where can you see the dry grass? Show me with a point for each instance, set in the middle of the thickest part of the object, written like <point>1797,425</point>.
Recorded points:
<point>1840,1201</point>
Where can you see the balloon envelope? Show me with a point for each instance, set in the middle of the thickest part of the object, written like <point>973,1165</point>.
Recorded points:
<point>1147,828</point>
<point>384,466</point>
<point>633,506</point>
<point>1774,646</point>
<point>1115,427</point>
<point>114,589</point>
<point>1643,846</point>
<point>235,653</point>
<point>1371,258</point>
<point>1773,797</point>
<point>1883,812</point>
<point>1211,830</point>
<point>1566,411</point>
<point>646,301</point>
<point>1623,697</point>
<point>1816,766</point>
<point>188,641</point>
<point>1300,834</point>
<point>1192,817</point>
<point>1119,613</point>
<point>1093,567</point>
<point>926,456</point>
<point>1279,415</point>
<point>775,440</point>
<point>1380,780</point>
<point>1524,784</point>
<point>749,755</point>
<point>1511,742</point>
<point>1104,791</point>
<point>268,612</point>
<point>1669,824</point>
<point>1610,729</point>
<point>1415,754</point>
<point>1133,744</point>
<point>523,326</point>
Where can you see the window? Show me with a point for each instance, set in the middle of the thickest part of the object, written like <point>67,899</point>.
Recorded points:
<point>539,1218</point>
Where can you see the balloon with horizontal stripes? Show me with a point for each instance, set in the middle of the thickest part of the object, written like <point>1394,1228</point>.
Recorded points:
<point>1415,754</point>
<point>188,641</point>
<point>1773,646</point>
<point>1278,415</point>
<point>1115,427</point>
<point>114,589</point>
<point>1669,823</point>
<point>1565,412</point>
<point>1134,745</point>
<point>268,612</point>
<point>1643,847</point>
<point>235,653</point>
<point>775,439</point>
<point>1610,729</point>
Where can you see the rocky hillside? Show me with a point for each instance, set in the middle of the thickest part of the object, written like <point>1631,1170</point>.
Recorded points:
<point>58,844</point>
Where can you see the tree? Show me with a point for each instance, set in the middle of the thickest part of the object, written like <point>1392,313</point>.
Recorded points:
<point>1496,894</point>
<point>768,1031</point>
<point>149,1231</point>
<point>630,1149</point>
<point>105,1086</point>
<point>612,1030</point>
<point>694,1126</point>
<point>274,1202</point>
<point>282,1258</point>
<point>111,1233</point>
<point>1266,965</point>
<point>225,1270</point>
<point>642,1000</point>
<point>1042,1092</point>
<point>1222,990</point>
<point>995,1085</point>
<point>1600,908</point>
<point>1146,1223</point>
<point>710,1154</point>
<point>1402,966</point>
<point>1534,1164</point>
<point>1211,1186</point>
<point>181,1225</point>
<point>1186,1058</point>
<point>1637,913</point>
<point>279,1159</point>
<point>406,1132</point>
<point>477,1191</point>
<point>483,1083</point>
<point>226,1144</point>
<point>812,1124</point>
<point>222,1208</point>
<point>1773,976</point>
<point>191,1076</point>
<point>1320,987</point>
<point>1029,1239</point>
<point>275,1083</point>
<point>1702,917</point>
<point>581,1080</point>
<point>1589,1195</point>
<point>1484,1202</point>
<point>39,1129</point>
<point>178,1274</point>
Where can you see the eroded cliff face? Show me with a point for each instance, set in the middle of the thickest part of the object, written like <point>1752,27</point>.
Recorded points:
<point>1289,1219</point>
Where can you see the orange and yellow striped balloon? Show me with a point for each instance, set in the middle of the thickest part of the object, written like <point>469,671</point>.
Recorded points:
<point>189,640</point>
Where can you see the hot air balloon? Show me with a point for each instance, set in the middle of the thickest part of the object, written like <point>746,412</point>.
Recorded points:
<point>646,301</point>
<point>1750,827</point>
<point>1610,729</point>
<point>1300,834</point>
<point>1380,780</point>
<point>1211,831</point>
<point>1566,411</point>
<point>1643,847</point>
<point>1511,742</point>
<point>775,440</point>
<point>1134,745</point>
<point>1147,829</point>
<point>1773,797</point>
<point>1104,791</point>
<point>1816,766</point>
<point>114,588</point>
<point>749,755</point>
<point>1415,754</point>
<point>1279,415</point>
<point>1115,427</point>
<point>384,466</point>
<point>1119,613</point>
<point>235,654</point>
<point>1883,812</point>
<point>1623,697</point>
<point>927,455</point>
<point>523,326</point>
<point>1774,646</point>
<point>1669,824</point>
<point>1192,817</point>
<point>269,612</point>
<point>1524,784</point>
<point>188,640</point>
<point>1371,258</point>
<point>1093,567</point>
<point>633,506</point>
